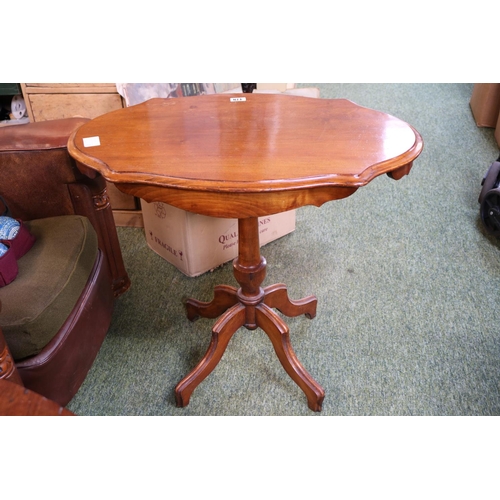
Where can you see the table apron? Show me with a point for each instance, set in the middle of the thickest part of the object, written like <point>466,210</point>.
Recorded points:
<point>239,205</point>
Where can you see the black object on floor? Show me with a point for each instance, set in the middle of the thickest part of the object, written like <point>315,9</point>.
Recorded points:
<point>489,198</point>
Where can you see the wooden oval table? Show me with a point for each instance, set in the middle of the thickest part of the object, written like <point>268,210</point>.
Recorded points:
<point>244,156</point>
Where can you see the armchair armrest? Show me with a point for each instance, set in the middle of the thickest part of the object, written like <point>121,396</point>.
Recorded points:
<point>40,179</point>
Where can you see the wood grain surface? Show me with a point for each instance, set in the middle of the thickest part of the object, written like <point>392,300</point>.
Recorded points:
<point>267,153</point>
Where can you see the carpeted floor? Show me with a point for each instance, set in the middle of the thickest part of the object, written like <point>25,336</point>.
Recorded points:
<point>407,282</point>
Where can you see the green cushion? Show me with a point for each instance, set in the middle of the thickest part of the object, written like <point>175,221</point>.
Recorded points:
<point>51,278</point>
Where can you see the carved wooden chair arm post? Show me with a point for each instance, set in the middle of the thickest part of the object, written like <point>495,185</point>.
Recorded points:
<point>90,198</point>
<point>8,370</point>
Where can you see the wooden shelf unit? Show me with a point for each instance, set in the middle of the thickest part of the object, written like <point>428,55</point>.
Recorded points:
<point>49,101</point>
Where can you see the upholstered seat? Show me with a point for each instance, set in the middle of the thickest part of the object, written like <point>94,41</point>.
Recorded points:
<point>51,278</point>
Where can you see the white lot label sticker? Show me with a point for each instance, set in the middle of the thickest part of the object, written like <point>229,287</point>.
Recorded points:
<point>88,142</point>
<point>238,99</point>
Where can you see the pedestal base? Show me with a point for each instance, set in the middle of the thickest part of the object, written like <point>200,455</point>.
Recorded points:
<point>251,306</point>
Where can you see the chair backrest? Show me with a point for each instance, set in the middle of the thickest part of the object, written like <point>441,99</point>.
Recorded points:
<point>40,179</point>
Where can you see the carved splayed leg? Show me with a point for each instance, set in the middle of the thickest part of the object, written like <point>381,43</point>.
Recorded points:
<point>224,298</point>
<point>276,296</point>
<point>222,332</point>
<point>278,333</point>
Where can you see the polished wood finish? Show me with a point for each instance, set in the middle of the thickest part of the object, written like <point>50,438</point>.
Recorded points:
<point>8,370</point>
<point>250,306</point>
<point>17,401</point>
<point>244,156</point>
<point>267,154</point>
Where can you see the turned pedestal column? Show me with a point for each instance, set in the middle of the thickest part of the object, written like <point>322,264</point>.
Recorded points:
<point>250,306</point>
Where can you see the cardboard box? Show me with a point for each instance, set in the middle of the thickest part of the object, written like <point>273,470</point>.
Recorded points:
<point>281,87</point>
<point>304,92</point>
<point>119,200</point>
<point>196,243</point>
<point>497,131</point>
<point>485,104</point>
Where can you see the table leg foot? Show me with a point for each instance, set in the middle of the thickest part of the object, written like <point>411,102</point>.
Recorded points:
<point>276,296</point>
<point>278,333</point>
<point>222,332</point>
<point>224,298</point>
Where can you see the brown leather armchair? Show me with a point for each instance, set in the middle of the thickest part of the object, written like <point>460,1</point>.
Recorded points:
<point>56,313</point>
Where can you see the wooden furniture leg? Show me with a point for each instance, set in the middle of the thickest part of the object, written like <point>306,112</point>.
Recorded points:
<point>17,401</point>
<point>222,332</point>
<point>8,370</point>
<point>250,306</point>
<point>276,296</point>
<point>224,298</point>
<point>277,331</point>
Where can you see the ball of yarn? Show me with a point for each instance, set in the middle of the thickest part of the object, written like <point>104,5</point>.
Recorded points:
<point>8,227</point>
<point>3,249</point>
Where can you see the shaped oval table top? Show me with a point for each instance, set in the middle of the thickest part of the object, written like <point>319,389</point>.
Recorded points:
<point>245,154</point>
